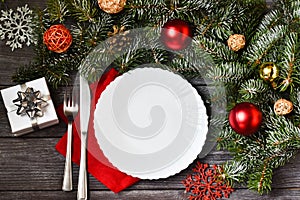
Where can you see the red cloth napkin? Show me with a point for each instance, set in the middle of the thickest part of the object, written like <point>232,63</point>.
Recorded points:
<point>97,163</point>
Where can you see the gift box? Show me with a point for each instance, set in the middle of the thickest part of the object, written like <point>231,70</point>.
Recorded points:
<point>29,107</point>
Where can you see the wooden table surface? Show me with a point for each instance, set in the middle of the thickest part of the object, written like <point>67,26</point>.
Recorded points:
<point>30,167</point>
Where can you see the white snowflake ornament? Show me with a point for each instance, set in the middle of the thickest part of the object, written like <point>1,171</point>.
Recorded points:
<point>16,27</point>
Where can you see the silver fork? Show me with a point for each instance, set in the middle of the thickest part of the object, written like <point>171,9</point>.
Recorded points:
<point>70,108</point>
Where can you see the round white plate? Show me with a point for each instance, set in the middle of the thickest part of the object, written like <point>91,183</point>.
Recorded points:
<point>150,123</point>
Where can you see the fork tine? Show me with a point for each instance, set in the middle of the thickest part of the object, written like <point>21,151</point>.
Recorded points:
<point>75,95</point>
<point>65,99</point>
<point>69,100</point>
<point>70,96</point>
<point>74,98</point>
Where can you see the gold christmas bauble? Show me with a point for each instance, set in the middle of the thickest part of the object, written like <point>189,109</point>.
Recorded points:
<point>283,107</point>
<point>236,42</point>
<point>268,71</point>
<point>112,6</point>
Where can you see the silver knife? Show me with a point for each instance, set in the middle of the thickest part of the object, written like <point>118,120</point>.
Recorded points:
<point>85,102</point>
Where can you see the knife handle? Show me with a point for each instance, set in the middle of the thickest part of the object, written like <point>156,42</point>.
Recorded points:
<point>82,180</point>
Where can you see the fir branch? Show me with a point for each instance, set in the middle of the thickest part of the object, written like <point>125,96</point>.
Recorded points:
<point>268,22</point>
<point>126,20</point>
<point>183,67</point>
<point>295,5</point>
<point>158,12</point>
<point>57,9</point>
<point>260,45</point>
<point>234,171</point>
<point>289,8</point>
<point>96,62</point>
<point>295,98</point>
<point>218,96</point>
<point>219,51</point>
<point>54,74</point>
<point>288,62</point>
<point>98,29</point>
<point>130,60</point>
<point>248,17</point>
<point>261,180</point>
<point>148,11</point>
<point>254,89</point>
<point>230,72</point>
<point>225,138</point>
<point>105,55</point>
<point>222,25</point>
<point>82,10</point>
<point>157,54</point>
<point>217,120</point>
<point>282,133</point>
<point>190,10</point>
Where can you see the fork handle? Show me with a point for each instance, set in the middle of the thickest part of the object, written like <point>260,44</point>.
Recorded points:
<point>67,182</point>
<point>82,180</point>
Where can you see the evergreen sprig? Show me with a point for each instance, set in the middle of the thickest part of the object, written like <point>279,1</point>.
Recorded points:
<point>287,64</point>
<point>57,10</point>
<point>261,44</point>
<point>82,10</point>
<point>229,72</point>
<point>253,89</point>
<point>277,141</point>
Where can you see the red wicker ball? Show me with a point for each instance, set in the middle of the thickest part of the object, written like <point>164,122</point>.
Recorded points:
<point>57,38</point>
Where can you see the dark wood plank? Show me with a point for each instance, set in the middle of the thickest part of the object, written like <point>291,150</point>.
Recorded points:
<point>277,194</point>
<point>11,61</point>
<point>31,4</point>
<point>132,195</point>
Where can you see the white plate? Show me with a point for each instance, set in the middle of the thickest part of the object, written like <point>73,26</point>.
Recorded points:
<point>150,123</point>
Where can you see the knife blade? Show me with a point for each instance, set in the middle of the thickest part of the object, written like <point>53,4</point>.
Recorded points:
<point>85,102</point>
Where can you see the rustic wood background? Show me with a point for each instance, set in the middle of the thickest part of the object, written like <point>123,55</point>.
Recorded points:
<point>30,168</point>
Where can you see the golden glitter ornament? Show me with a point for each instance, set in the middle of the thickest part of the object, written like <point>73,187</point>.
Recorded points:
<point>112,6</point>
<point>268,71</point>
<point>236,42</point>
<point>283,107</point>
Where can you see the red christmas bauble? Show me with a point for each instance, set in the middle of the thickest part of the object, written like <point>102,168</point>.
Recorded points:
<point>245,118</point>
<point>176,34</point>
<point>57,38</point>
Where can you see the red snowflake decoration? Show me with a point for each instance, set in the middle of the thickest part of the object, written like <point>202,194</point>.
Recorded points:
<point>205,183</point>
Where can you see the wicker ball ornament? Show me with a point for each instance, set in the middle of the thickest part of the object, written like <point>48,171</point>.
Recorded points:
<point>112,6</point>
<point>283,107</point>
<point>57,38</point>
<point>236,42</point>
